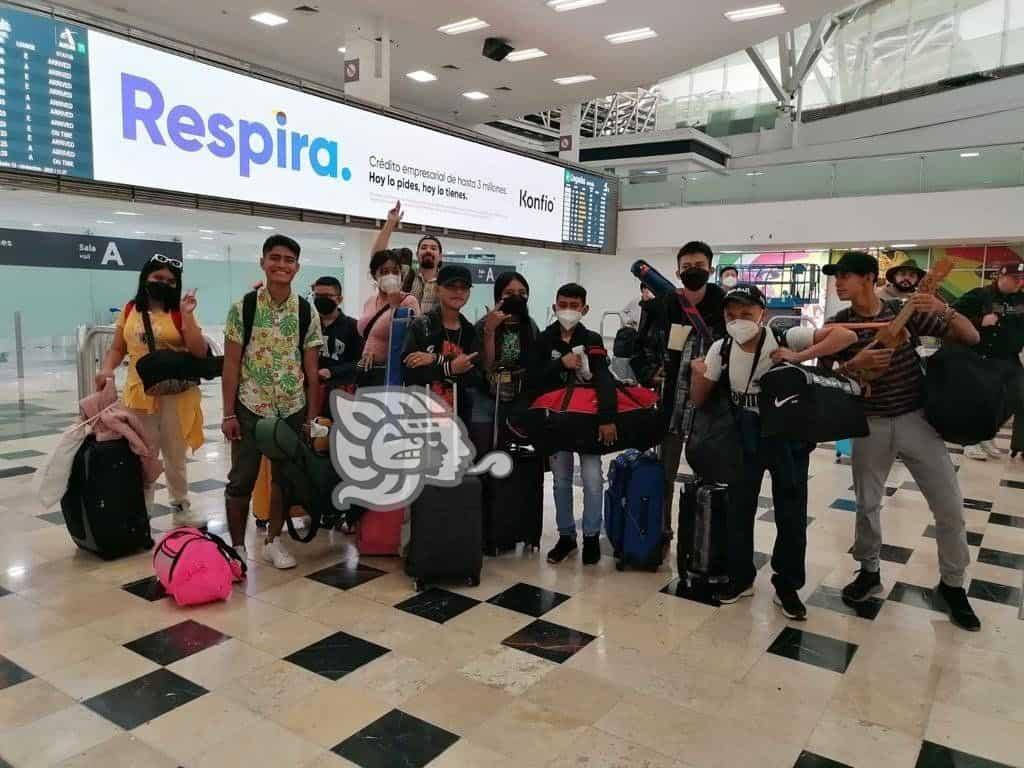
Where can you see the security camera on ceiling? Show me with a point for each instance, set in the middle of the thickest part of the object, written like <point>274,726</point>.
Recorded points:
<point>497,48</point>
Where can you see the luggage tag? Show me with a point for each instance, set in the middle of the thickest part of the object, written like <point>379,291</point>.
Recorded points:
<point>677,336</point>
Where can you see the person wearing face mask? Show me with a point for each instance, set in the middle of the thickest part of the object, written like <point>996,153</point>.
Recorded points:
<point>676,329</point>
<point>729,277</point>
<point>343,346</point>
<point>746,354</point>
<point>160,317</point>
<point>569,352</point>
<point>421,283</point>
<point>901,281</point>
<point>375,323</point>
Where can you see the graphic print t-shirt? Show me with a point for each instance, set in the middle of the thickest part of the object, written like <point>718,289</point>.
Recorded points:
<point>798,339</point>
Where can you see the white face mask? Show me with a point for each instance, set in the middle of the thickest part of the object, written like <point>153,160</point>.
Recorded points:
<point>390,283</point>
<point>568,318</point>
<point>729,282</point>
<point>742,331</point>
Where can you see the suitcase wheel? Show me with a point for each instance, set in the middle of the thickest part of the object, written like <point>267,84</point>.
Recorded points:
<point>418,585</point>
<point>620,565</point>
<point>474,581</point>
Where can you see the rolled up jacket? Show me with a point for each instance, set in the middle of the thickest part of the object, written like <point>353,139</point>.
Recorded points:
<point>165,364</point>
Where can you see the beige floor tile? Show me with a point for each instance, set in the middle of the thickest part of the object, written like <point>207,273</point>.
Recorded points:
<point>240,616</point>
<point>330,760</point>
<point>387,590</point>
<point>507,669</point>
<point>580,695</point>
<point>490,622</point>
<point>457,703</point>
<point>100,673</point>
<point>269,745</point>
<point>976,734</point>
<point>861,743</point>
<point>45,742</point>
<point>214,667</point>
<point>274,688</point>
<point>30,701</point>
<point>132,624</point>
<point>394,678</point>
<point>983,696</point>
<point>61,650</point>
<point>198,726</point>
<point>1003,668</point>
<point>443,647</point>
<point>465,754</point>
<point>681,617</point>
<point>23,623</point>
<point>122,751</point>
<point>371,621</point>
<point>771,714</point>
<point>298,595</point>
<point>83,603</point>
<point>526,732</point>
<point>811,686</point>
<point>285,636</point>
<point>597,749</point>
<point>331,714</point>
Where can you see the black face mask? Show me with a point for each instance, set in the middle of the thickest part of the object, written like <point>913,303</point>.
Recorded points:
<point>694,278</point>
<point>515,305</point>
<point>325,305</point>
<point>160,292</point>
<point>905,286</point>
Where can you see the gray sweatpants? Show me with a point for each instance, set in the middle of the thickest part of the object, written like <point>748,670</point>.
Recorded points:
<point>925,455</point>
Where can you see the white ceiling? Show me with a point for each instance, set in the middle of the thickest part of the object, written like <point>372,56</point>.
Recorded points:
<point>691,32</point>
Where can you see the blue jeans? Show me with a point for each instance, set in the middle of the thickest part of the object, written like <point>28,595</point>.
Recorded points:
<point>593,493</point>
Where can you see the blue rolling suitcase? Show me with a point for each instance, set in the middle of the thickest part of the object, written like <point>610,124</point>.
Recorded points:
<point>844,449</point>
<point>400,322</point>
<point>633,513</point>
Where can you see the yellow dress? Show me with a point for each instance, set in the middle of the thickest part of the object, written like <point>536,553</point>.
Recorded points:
<point>167,336</point>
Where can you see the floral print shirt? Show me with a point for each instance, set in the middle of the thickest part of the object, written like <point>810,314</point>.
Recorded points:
<point>272,382</point>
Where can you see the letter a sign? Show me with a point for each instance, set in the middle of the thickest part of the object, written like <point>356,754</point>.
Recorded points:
<point>112,255</point>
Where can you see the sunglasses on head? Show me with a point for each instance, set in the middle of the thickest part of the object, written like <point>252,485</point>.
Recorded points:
<point>159,258</point>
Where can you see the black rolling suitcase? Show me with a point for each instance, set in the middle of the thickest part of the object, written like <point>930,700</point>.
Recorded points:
<point>105,504</point>
<point>701,550</point>
<point>514,505</point>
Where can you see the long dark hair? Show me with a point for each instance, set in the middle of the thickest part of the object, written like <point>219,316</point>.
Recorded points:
<point>525,327</point>
<point>142,298</point>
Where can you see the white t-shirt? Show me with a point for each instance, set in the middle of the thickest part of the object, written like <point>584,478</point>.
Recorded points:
<point>797,339</point>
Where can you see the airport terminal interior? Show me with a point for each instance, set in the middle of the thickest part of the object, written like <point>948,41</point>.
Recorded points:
<point>587,143</point>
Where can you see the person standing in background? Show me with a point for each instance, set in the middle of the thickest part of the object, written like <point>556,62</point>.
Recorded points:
<point>375,322</point>
<point>728,277</point>
<point>997,311</point>
<point>421,283</point>
<point>901,281</point>
<point>343,346</point>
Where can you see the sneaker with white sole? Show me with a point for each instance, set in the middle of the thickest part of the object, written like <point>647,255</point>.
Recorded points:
<point>274,552</point>
<point>975,452</point>
<point>182,516</point>
<point>989,447</point>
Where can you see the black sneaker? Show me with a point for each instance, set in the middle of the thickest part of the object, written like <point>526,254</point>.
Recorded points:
<point>729,594</point>
<point>960,611</point>
<point>591,549</point>
<point>866,584</point>
<point>792,607</point>
<point>566,546</point>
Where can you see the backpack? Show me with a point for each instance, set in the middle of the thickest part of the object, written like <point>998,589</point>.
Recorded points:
<point>967,397</point>
<point>195,567</point>
<point>249,319</point>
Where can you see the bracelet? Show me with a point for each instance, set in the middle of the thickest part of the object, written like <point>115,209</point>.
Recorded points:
<point>948,314</point>
<point>229,418</point>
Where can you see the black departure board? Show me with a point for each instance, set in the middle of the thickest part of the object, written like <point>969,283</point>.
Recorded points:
<point>585,211</point>
<point>44,95</point>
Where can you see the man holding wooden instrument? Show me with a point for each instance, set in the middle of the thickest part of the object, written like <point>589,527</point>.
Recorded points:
<point>886,359</point>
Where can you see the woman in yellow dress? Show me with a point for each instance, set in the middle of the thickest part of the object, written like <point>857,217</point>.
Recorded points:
<point>172,421</point>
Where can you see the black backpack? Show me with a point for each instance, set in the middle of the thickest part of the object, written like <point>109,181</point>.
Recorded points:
<point>249,318</point>
<point>967,396</point>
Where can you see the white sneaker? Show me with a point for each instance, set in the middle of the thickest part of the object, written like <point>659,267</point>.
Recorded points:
<point>182,516</point>
<point>241,552</point>
<point>975,452</point>
<point>275,553</point>
<point>989,447</point>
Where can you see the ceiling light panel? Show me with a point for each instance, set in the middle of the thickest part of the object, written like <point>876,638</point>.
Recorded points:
<point>573,79</point>
<point>525,55</point>
<point>755,12</point>
<point>466,25</point>
<point>476,95</point>
<point>631,36</point>
<point>421,76</point>
<point>571,5</point>
<point>269,19</point>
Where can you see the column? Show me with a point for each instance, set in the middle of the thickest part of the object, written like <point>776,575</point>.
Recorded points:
<point>367,71</point>
<point>569,134</point>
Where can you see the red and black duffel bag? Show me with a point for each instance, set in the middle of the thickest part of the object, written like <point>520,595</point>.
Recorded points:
<point>566,420</point>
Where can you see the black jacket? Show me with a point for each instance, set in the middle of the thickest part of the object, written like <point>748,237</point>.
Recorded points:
<point>427,334</point>
<point>549,374</point>
<point>342,349</point>
<point>1005,339</point>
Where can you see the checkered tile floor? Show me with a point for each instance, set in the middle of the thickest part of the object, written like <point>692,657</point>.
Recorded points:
<point>339,662</point>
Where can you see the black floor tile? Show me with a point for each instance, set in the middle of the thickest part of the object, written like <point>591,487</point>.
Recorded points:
<point>846,505</point>
<point>832,599</point>
<point>769,517</point>
<point>761,559</point>
<point>18,455</point>
<point>810,648</point>
<point>698,592</point>
<point>396,740</point>
<point>973,538</point>
<point>1012,521</point>
<point>176,643</point>
<point>890,490</point>
<point>145,698</point>
<point>811,760</point>
<point>1012,484</point>
<point>438,605</point>
<point>984,506</point>
<point>341,576</point>
<point>919,597</point>
<point>12,674</point>
<point>549,641</point>
<point>910,485</point>
<point>1000,558</point>
<point>765,502</point>
<point>148,588</point>
<point>337,655</point>
<point>57,518</point>
<point>893,554</point>
<point>16,472</point>
<point>994,593</point>
<point>528,599</point>
<point>4,592</point>
<point>685,477</point>
<point>938,756</point>
<point>202,486</point>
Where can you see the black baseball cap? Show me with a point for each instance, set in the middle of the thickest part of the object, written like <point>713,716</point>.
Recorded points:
<point>1012,269</point>
<point>746,293</point>
<point>855,262</point>
<point>454,273</point>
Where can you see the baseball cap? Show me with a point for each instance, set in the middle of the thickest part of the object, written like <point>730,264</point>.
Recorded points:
<point>856,262</point>
<point>454,273</point>
<point>1016,270</point>
<point>747,294</point>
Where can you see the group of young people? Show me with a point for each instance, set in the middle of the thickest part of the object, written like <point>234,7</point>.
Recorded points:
<point>280,352</point>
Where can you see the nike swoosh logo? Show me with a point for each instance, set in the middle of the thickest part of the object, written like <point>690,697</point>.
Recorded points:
<point>783,401</point>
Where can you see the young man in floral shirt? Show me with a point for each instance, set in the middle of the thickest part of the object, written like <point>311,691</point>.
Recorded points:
<point>271,374</point>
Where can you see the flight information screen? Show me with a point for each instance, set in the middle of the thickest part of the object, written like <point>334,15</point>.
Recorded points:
<point>585,212</point>
<point>44,95</point>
